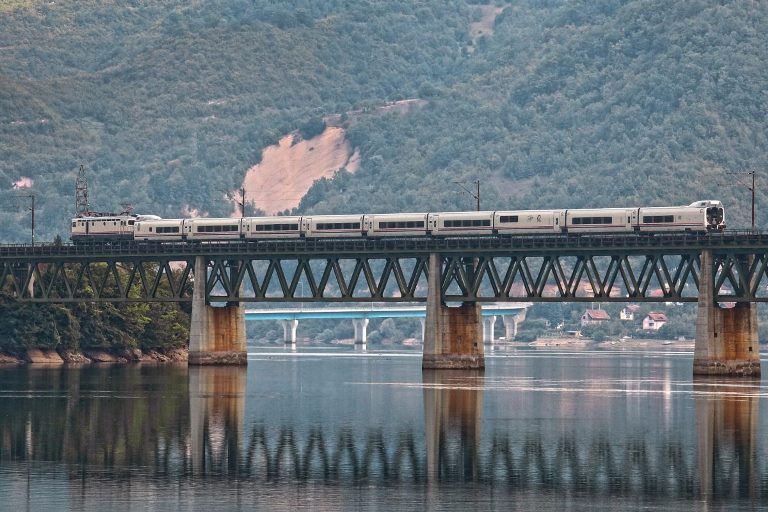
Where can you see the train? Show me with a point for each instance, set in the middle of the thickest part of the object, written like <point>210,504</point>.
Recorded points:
<point>699,217</point>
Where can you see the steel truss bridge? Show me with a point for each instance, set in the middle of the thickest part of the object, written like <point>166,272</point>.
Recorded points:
<point>616,268</point>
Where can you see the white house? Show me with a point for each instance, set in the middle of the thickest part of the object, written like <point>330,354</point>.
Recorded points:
<point>653,321</point>
<point>594,317</point>
<point>628,313</point>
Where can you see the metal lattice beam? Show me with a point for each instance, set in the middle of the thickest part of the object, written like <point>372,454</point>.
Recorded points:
<point>493,269</point>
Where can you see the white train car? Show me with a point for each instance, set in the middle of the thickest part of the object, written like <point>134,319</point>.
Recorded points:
<point>256,228</point>
<point>333,226</point>
<point>698,217</point>
<point>212,229</point>
<point>461,223</point>
<point>601,220</point>
<point>165,230</point>
<point>395,224</point>
<point>117,227</point>
<point>522,222</point>
<point>714,211</point>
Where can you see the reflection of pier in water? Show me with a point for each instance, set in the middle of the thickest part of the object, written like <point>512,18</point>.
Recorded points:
<point>726,419</point>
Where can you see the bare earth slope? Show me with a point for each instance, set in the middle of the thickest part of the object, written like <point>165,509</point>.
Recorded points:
<point>287,170</point>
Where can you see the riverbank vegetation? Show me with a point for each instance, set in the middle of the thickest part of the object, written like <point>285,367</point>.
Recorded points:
<point>115,328</point>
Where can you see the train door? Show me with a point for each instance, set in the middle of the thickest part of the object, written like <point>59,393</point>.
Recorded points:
<point>560,221</point>
<point>432,220</point>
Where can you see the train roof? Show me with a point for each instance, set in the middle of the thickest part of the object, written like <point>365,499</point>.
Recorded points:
<point>706,203</point>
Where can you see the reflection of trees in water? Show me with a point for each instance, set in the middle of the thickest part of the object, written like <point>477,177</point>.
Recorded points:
<point>100,416</point>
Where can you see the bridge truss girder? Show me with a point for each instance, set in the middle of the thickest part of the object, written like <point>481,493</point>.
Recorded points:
<point>615,276</point>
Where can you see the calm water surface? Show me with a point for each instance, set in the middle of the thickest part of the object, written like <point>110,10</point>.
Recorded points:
<point>334,429</point>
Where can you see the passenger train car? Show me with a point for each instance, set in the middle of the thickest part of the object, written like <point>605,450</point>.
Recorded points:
<point>698,217</point>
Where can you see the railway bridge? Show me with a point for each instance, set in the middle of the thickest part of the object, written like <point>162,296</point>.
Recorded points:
<point>453,276</point>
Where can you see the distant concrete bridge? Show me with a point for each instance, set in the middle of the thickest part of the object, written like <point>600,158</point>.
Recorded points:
<point>512,313</point>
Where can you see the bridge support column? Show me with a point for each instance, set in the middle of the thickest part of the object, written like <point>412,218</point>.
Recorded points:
<point>726,338</point>
<point>289,331</point>
<point>510,326</point>
<point>489,323</point>
<point>216,334</point>
<point>452,336</point>
<point>361,330</point>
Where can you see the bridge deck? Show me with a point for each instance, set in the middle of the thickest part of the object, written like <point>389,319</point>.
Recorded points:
<point>593,244</point>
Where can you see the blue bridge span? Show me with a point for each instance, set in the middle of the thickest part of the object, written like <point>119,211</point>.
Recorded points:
<point>511,313</point>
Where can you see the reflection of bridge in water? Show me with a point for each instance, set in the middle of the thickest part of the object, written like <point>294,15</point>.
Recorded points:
<point>453,448</point>
<point>199,431</point>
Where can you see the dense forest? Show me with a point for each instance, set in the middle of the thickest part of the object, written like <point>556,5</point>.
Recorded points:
<point>555,104</point>
<point>117,328</point>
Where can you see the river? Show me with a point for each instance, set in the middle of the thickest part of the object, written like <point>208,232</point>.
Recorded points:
<point>336,429</point>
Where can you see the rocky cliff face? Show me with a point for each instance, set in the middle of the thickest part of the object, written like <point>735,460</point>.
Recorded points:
<point>289,168</point>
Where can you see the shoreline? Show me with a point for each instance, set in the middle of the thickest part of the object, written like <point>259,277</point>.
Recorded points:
<point>629,344</point>
<point>180,355</point>
<point>53,357</point>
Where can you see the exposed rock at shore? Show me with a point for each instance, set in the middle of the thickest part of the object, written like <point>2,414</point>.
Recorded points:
<point>71,357</point>
<point>38,356</point>
<point>10,360</point>
<point>177,355</point>
<point>101,356</point>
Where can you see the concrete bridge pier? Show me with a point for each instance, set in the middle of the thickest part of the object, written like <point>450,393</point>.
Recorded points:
<point>289,331</point>
<point>361,330</point>
<point>489,323</point>
<point>726,338</point>
<point>510,325</point>
<point>452,335</point>
<point>216,334</point>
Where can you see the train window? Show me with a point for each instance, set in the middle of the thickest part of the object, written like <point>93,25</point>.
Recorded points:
<point>217,228</point>
<point>338,225</point>
<point>74,224</point>
<point>276,227</point>
<point>131,222</point>
<point>466,223</point>
<point>592,220</point>
<point>401,224</point>
<point>508,218</point>
<point>658,219</point>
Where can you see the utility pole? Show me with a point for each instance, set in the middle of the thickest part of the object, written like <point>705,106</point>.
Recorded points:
<point>82,207</point>
<point>242,202</point>
<point>750,188</point>
<point>474,195</point>
<point>32,211</point>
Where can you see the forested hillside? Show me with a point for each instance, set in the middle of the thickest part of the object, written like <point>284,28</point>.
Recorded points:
<point>568,103</point>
